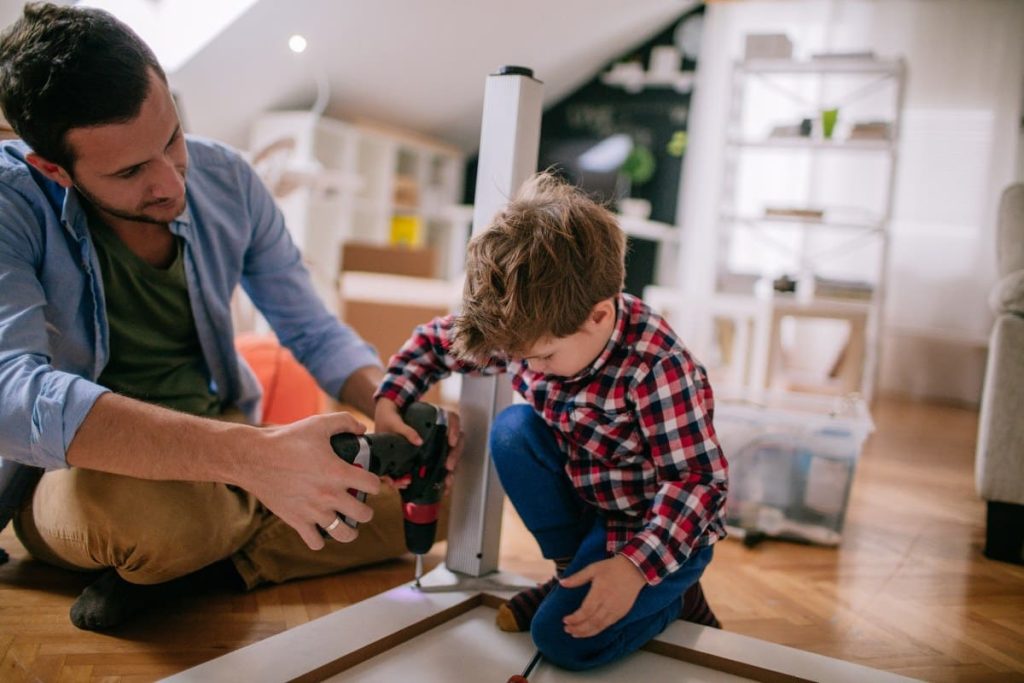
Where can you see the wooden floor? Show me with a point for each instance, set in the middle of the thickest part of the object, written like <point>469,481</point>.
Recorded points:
<point>908,591</point>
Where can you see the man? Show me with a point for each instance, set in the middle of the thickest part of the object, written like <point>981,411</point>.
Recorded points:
<point>121,242</point>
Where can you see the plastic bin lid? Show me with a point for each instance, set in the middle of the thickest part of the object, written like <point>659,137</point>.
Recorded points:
<point>849,411</point>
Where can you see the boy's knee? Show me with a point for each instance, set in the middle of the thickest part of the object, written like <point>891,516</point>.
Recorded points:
<point>557,646</point>
<point>513,420</point>
<point>509,429</point>
<point>562,649</point>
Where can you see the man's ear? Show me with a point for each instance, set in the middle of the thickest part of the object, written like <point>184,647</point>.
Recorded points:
<point>49,169</point>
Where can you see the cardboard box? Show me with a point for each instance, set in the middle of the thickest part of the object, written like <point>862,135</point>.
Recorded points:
<point>381,258</point>
<point>407,192</point>
<point>387,326</point>
<point>384,292</point>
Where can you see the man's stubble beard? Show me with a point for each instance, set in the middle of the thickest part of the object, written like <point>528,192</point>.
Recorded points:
<point>125,215</point>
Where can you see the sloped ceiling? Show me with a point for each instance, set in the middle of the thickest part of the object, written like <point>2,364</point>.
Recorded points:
<point>417,65</point>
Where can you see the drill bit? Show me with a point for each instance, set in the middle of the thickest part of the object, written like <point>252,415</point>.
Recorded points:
<point>419,569</point>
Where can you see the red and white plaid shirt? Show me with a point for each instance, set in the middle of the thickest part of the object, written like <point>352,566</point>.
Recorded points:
<point>635,425</point>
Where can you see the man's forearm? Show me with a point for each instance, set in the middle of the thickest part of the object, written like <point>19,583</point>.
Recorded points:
<point>124,436</point>
<point>291,468</point>
<point>359,387</point>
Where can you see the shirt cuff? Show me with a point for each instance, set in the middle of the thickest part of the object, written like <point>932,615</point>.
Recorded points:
<point>399,392</point>
<point>354,358</point>
<point>58,412</point>
<point>651,557</point>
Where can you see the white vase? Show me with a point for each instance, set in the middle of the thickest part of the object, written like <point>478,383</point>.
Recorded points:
<point>635,208</point>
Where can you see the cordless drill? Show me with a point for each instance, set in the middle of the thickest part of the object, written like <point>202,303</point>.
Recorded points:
<point>394,456</point>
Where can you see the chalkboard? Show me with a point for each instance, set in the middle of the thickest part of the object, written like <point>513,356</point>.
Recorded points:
<point>654,118</point>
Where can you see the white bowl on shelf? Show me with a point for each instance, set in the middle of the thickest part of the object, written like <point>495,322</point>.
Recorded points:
<point>635,208</point>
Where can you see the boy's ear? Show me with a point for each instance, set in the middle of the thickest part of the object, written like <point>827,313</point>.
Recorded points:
<point>51,170</point>
<point>602,311</point>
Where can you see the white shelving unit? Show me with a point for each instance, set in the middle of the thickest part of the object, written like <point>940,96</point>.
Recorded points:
<point>813,207</point>
<point>307,163</point>
<point>338,181</point>
<point>800,143</point>
<point>664,235</point>
<point>429,170</point>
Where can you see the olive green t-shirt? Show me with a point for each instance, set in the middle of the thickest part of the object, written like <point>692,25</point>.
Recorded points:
<point>155,354</point>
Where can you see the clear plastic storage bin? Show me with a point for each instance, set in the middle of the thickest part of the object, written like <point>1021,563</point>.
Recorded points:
<point>791,464</point>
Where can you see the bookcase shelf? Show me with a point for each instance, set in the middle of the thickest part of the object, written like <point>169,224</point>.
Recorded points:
<point>792,155</point>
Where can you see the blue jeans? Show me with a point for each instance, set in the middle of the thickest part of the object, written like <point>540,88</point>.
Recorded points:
<point>532,470</point>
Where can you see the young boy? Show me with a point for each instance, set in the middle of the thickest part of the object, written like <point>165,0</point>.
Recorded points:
<point>613,464</point>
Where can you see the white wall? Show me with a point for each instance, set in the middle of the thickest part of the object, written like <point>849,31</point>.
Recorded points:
<point>962,113</point>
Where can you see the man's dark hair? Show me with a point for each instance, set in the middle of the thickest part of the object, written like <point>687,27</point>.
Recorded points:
<point>70,67</point>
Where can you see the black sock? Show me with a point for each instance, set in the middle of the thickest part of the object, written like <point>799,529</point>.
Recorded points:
<point>110,600</point>
<point>695,608</point>
<point>517,613</point>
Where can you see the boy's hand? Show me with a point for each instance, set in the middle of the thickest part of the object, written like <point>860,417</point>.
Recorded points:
<point>386,418</point>
<point>615,583</point>
<point>455,445</point>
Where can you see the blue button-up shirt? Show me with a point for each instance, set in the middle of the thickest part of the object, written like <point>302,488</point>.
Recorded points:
<point>54,339</point>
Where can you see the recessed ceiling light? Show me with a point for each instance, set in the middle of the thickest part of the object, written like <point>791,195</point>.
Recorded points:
<point>297,43</point>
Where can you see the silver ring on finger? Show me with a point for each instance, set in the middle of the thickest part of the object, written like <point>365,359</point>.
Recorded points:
<point>333,525</point>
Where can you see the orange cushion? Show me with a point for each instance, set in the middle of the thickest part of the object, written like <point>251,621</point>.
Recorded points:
<point>289,392</point>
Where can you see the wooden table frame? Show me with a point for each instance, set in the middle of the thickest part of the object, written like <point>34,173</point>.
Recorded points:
<point>336,642</point>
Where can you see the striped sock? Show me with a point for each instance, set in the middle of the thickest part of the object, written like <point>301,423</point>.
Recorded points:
<point>516,614</point>
<point>695,608</point>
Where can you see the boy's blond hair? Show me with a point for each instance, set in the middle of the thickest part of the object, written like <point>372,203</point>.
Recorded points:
<point>540,268</point>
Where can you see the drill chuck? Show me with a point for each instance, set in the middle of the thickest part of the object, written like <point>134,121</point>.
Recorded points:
<point>419,538</point>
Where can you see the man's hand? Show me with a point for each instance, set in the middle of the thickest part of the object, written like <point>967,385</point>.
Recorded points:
<point>387,419</point>
<point>615,583</point>
<point>291,469</point>
<point>296,474</point>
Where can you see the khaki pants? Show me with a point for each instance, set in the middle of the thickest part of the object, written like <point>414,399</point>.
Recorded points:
<point>155,531</point>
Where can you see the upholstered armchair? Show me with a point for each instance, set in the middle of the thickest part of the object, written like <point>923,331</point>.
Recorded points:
<point>999,467</point>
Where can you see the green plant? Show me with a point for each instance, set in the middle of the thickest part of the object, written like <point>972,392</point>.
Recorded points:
<point>639,165</point>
